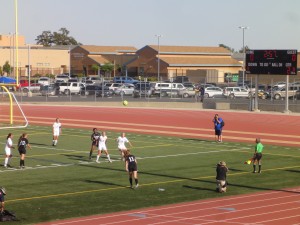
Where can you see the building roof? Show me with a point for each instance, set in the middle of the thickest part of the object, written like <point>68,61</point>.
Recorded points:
<point>200,62</point>
<point>190,50</point>
<point>98,59</point>
<point>94,49</point>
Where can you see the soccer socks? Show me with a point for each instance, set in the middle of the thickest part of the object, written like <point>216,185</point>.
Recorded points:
<point>130,181</point>
<point>254,168</point>
<point>22,163</point>
<point>136,181</point>
<point>108,157</point>
<point>97,158</point>
<point>5,161</point>
<point>259,168</point>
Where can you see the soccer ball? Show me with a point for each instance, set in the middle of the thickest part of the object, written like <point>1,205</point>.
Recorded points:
<point>125,103</point>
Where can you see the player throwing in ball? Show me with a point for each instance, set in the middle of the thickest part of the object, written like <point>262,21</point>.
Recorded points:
<point>102,147</point>
<point>121,144</point>
<point>131,168</point>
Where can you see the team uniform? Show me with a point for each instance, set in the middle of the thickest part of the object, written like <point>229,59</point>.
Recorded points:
<point>95,138</point>
<point>8,152</point>
<point>131,167</point>
<point>102,147</point>
<point>22,145</point>
<point>121,143</point>
<point>7,146</point>
<point>56,132</point>
<point>102,143</point>
<point>56,129</point>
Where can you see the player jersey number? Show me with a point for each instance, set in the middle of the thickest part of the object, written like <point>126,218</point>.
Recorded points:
<point>131,159</point>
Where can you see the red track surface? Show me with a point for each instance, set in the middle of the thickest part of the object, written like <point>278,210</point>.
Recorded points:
<point>273,207</point>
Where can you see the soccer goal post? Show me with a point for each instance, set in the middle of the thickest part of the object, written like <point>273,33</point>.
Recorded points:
<point>11,113</point>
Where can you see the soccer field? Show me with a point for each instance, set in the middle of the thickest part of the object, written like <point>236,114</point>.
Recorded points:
<point>60,182</point>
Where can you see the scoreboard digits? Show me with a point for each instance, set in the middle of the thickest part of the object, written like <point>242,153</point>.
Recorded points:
<point>277,62</point>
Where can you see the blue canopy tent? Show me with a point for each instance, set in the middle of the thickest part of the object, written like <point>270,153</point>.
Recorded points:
<point>7,80</point>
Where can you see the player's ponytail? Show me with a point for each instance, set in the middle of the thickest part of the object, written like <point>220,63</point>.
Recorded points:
<point>9,136</point>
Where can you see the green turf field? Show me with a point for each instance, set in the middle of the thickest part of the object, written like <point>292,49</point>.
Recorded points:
<point>59,182</point>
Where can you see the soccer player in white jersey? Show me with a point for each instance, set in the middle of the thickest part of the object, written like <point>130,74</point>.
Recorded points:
<point>121,144</point>
<point>8,147</point>
<point>102,147</point>
<point>56,131</point>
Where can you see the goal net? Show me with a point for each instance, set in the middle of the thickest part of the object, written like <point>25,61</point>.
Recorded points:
<point>11,113</point>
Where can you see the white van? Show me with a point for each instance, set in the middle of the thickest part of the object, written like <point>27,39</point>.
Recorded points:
<point>166,89</point>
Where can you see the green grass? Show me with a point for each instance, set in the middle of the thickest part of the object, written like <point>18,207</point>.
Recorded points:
<point>62,183</point>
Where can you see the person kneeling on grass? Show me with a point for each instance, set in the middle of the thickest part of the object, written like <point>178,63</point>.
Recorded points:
<point>221,177</point>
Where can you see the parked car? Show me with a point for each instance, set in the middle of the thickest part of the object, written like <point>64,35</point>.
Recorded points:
<point>89,90</point>
<point>281,93</point>
<point>47,90</point>
<point>233,92</point>
<point>164,89</point>
<point>105,92</point>
<point>211,92</point>
<point>188,84</point>
<point>187,92</point>
<point>95,90</point>
<point>70,88</point>
<point>142,90</point>
<point>44,80</point>
<point>33,87</point>
<point>125,89</point>
<point>62,78</point>
<point>124,79</point>
<point>113,86</point>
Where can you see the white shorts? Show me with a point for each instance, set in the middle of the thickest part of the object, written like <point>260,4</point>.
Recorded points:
<point>7,151</point>
<point>122,148</point>
<point>56,133</point>
<point>102,147</point>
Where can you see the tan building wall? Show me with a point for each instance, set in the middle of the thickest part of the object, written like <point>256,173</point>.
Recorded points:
<point>42,60</point>
<point>9,40</point>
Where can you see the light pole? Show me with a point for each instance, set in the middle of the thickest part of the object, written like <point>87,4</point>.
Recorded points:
<point>244,58</point>
<point>158,59</point>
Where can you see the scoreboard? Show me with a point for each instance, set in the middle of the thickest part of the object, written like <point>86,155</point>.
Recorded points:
<point>277,62</point>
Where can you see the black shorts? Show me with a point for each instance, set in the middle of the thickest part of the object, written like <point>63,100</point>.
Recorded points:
<point>218,132</point>
<point>95,143</point>
<point>22,151</point>
<point>258,156</point>
<point>132,167</point>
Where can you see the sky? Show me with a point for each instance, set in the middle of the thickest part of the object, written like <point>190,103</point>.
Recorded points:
<point>273,24</point>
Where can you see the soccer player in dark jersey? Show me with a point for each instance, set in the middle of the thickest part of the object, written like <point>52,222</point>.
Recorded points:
<point>131,168</point>
<point>22,145</point>
<point>95,140</point>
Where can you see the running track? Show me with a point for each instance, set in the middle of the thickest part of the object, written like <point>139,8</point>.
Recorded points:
<point>272,207</point>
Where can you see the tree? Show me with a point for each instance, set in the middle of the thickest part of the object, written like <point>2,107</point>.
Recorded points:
<point>45,39</point>
<point>7,68</point>
<point>56,38</point>
<point>246,48</point>
<point>227,47</point>
<point>107,68</point>
<point>96,68</point>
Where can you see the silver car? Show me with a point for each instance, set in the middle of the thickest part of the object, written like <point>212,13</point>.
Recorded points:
<point>211,92</point>
<point>125,89</point>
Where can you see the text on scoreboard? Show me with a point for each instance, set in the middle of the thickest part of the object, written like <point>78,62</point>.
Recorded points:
<point>280,62</point>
